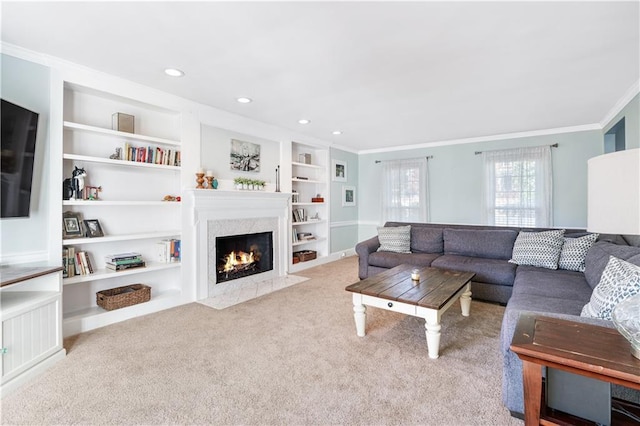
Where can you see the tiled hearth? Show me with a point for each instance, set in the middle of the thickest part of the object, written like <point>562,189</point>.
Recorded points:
<point>219,213</point>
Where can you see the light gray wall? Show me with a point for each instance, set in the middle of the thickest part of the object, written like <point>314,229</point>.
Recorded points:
<point>456,179</point>
<point>344,229</point>
<point>27,84</point>
<point>631,114</point>
<point>215,151</point>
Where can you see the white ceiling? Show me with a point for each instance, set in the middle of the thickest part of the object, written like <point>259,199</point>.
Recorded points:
<point>385,73</point>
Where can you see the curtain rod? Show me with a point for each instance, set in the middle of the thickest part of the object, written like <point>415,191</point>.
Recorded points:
<point>397,159</point>
<point>555,145</point>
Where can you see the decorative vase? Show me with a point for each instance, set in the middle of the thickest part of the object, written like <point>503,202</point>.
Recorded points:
<point>245,186</point>
<point>215,183</point>
<point>626,318</point>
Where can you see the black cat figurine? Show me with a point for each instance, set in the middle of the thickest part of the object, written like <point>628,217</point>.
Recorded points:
<point>72,187</point>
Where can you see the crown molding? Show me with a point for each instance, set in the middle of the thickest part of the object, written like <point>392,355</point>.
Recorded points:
<point>517,135</point>
<point>622,102</point>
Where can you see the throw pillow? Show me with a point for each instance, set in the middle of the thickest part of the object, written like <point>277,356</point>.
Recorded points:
<point>620,280</point>
<point>396,239</point>
<point>574,251</point>
<point>540,249</point>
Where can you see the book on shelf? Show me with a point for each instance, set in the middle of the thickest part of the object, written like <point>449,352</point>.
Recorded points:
<point>115,267</point>
<point>122,256</point>
<point>151,155</point>
<point>76,263</point>
<point>168,251</point>
<point>299,215</point>
<point>65,269</point>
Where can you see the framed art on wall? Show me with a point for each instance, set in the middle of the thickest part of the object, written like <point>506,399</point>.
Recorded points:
<point>245,156</point>
<point>338,170</point>
<point>348,196</point>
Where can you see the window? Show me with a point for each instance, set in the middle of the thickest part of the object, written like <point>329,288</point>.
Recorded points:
<point>404,190</point>
<point>518,187</point>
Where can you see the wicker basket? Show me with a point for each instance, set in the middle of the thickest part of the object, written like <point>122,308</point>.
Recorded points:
<point>306,255</point>
<point>120,297</point>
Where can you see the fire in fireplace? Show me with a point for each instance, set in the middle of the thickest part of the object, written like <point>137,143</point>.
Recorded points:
<point>239,256</point>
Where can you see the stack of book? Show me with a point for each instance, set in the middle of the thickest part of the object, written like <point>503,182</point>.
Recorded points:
<point>124,261</point>
<point>75,262</point>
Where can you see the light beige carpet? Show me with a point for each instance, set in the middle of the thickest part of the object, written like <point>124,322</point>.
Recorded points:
<point>289,357</point>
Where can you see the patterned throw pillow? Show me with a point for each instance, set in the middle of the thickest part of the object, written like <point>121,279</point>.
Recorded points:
<point>574,251</point>
<point>540,249</point>
<point>395,238</point>
<point>620,280</point>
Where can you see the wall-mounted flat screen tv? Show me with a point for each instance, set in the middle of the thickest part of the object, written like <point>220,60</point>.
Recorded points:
<point>19,128</point>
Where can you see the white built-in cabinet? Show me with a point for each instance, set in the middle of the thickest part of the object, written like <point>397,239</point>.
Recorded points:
<point>309,180</point>
<point>130,207</point>
<point>31,316</point>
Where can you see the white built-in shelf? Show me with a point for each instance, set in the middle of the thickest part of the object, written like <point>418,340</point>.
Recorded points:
<point>307,204</point>
<point>117,162</point>
<point>131,136</point>
<point>311,166</point>
<point>315,240</point>
<point>306,180</point>
<point>125,237</point>
<point>105,274</point>
<point>97,315</point>
<point>118,203</point>
<point>308,222</point>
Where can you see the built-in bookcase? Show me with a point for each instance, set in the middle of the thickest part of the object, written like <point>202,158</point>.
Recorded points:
<point>309,179</point>
<point>130,204</point>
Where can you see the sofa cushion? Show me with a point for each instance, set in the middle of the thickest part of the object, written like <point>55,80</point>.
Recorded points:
<point>387,259</point>
<point>426,240</point>
<point>492,244</point>
<point>561,284</point>
<point>492,271</point>
<point>574,251</point>
<point>395,239</point>
<point>598,257</point>
<point>620,280</point>
<point>538,248</point>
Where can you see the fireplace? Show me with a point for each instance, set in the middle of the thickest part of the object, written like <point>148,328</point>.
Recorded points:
<point>221,213</point>
<point>239,256</point>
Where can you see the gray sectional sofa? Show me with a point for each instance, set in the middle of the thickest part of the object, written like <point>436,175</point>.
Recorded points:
<point>486,250</point>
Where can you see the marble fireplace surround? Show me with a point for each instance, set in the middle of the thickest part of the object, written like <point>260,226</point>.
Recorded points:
<point>220,213</point>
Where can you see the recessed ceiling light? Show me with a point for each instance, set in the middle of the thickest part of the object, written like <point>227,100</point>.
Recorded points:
<point>304,121</point>
<point>244,100</point>
<point>173,72</point>
<point>337,132</point>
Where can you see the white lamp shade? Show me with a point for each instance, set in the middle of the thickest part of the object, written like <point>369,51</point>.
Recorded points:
<point>614,193</point>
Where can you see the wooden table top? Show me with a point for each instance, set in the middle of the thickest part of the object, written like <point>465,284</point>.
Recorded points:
<point>593,349</point>
<point>435,288</point>
<point>15,274</point>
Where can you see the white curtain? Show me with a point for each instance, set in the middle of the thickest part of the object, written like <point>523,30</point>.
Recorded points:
<point>405,190</point>
<point>518,187</point>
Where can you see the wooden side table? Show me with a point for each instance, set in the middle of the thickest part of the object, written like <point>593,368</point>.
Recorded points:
<point>587,350</point>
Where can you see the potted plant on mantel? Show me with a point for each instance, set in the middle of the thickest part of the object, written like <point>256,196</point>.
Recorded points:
<point>251,184</point>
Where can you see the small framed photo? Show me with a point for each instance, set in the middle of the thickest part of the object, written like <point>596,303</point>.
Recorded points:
<point>338,170</point>
<point>348,196</point>
<point>93,228</point>
<point>72,225</point>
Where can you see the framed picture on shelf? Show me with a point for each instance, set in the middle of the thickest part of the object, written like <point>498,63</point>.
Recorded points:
<point>338,170</point>
<point>348,196</point>
<point>72,225</point>
<point>93,228</point>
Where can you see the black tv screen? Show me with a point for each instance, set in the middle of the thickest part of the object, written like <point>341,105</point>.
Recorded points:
<point>19,128</point>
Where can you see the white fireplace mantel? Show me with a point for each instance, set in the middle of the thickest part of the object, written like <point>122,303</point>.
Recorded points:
<point>205,205</point>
